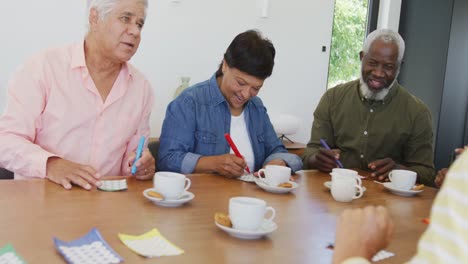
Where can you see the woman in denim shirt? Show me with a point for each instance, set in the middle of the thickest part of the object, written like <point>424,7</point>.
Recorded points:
<point>192,138</point>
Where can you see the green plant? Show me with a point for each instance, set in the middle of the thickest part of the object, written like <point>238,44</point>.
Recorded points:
<point>349,28</point>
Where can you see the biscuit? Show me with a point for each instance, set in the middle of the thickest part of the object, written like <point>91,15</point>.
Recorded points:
<point>285,185</point>
<point>155,194</point>
<point>418,187</point>
<point>223,219</point>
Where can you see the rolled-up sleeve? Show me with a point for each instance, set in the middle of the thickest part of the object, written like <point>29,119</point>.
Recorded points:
<point>27,93</point>
<point>177,137</point>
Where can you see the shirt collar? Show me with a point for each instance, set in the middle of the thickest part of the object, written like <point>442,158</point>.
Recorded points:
<point>215,91</point>
<point>78,60</point>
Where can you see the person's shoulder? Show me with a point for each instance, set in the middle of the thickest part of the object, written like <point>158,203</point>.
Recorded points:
<point>58,53</point>
<point>412,100</point>
<point>196,93</point>
<point>46,58</point>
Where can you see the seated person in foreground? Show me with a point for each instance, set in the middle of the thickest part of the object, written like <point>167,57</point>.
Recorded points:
<point>374,123</point>
<point>361,233</point>
<point>76,113</point>
<point>192,138</point>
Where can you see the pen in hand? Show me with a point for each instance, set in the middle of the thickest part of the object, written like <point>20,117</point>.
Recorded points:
<point>234,148</point>
<point>138,154</point>
<point>325,145</point>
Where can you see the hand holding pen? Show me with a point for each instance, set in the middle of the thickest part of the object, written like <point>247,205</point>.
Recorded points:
<point>138,154</point>
<point>143,164</point>
<point>326,159</point>
<point>234,149</point>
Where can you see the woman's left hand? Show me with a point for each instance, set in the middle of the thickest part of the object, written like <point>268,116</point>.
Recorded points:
<point>278,162</point>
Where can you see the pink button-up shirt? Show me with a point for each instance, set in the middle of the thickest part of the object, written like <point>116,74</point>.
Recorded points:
<point>54,109</point>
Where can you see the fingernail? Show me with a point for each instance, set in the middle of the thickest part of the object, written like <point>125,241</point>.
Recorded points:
<point>98,183</point>
<point>88,186</point>
<point>68,186</point>
<point>373,174</point>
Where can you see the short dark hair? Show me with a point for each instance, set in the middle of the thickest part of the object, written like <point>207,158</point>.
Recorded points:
<point>251,53</point>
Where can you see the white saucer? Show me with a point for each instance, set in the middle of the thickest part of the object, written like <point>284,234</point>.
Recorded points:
<point>247,177</point>
<point>329,183</point>
<point>388,185</point>
<point>185,197</point>
<point>275,189</point>
<point>266,228</point>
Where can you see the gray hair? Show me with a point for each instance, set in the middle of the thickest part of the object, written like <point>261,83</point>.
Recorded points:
<point>104,7</point>
<point>387,36</point>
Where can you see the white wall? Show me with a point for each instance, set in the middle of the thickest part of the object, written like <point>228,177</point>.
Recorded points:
<point>188,38</point>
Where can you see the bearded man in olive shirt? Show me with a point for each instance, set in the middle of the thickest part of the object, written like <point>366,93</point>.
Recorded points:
<point>374,123</point>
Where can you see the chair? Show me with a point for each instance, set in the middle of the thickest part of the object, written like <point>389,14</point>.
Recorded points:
<point>6,174</point>
<point>153,147</point>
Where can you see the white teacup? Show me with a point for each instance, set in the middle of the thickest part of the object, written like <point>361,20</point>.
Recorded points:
<point>338,172</point>
<point>345,172</point>
<point>170,184</point>
<point>402,179</point>
<point>248,213</point>
<point>275,174</point>
<point>345,188</point>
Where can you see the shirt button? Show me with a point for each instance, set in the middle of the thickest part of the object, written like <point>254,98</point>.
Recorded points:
<point>362,156</point>
<point>372,110</point>
<point>365,133</point>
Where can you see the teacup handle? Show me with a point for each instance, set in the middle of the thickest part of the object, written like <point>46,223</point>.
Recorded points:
<point>361,192</point>
<point>260,171</point>
<point>390,176</point>
<point>273,213</point>
<point>189,182</point>
<point>359,181</point>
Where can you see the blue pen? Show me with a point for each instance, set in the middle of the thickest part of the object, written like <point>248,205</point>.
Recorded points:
<point>138,153</point>
<point>325,145</point>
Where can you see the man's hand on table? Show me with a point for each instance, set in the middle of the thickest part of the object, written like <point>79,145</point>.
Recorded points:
<point>382,167</point>
<point>64,172</point>
<point>146,166</point>
<point>362,232</point>
<point>325,160</point>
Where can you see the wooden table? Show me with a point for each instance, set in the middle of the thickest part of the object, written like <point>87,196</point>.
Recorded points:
<point>34,211</point>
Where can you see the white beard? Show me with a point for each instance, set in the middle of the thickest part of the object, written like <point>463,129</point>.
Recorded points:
<point>371,95</point>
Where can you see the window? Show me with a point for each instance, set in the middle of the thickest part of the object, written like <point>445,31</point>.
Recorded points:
<point>349,31</point>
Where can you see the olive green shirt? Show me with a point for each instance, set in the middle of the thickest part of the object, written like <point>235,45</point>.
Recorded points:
<point>398,127</point>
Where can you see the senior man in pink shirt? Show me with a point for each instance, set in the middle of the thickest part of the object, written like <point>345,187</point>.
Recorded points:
<point>76,113</point>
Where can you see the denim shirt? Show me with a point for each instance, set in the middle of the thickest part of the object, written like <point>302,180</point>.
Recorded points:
<point>196,122</point>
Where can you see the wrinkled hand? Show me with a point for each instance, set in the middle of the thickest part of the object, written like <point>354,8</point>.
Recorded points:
<point>229,165</point>
<point>325,160</point>
<point>362,233</point>
<point>439,180</point>
<point>65,173</point>
<point>381,168</point>
<point>145,165</point>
